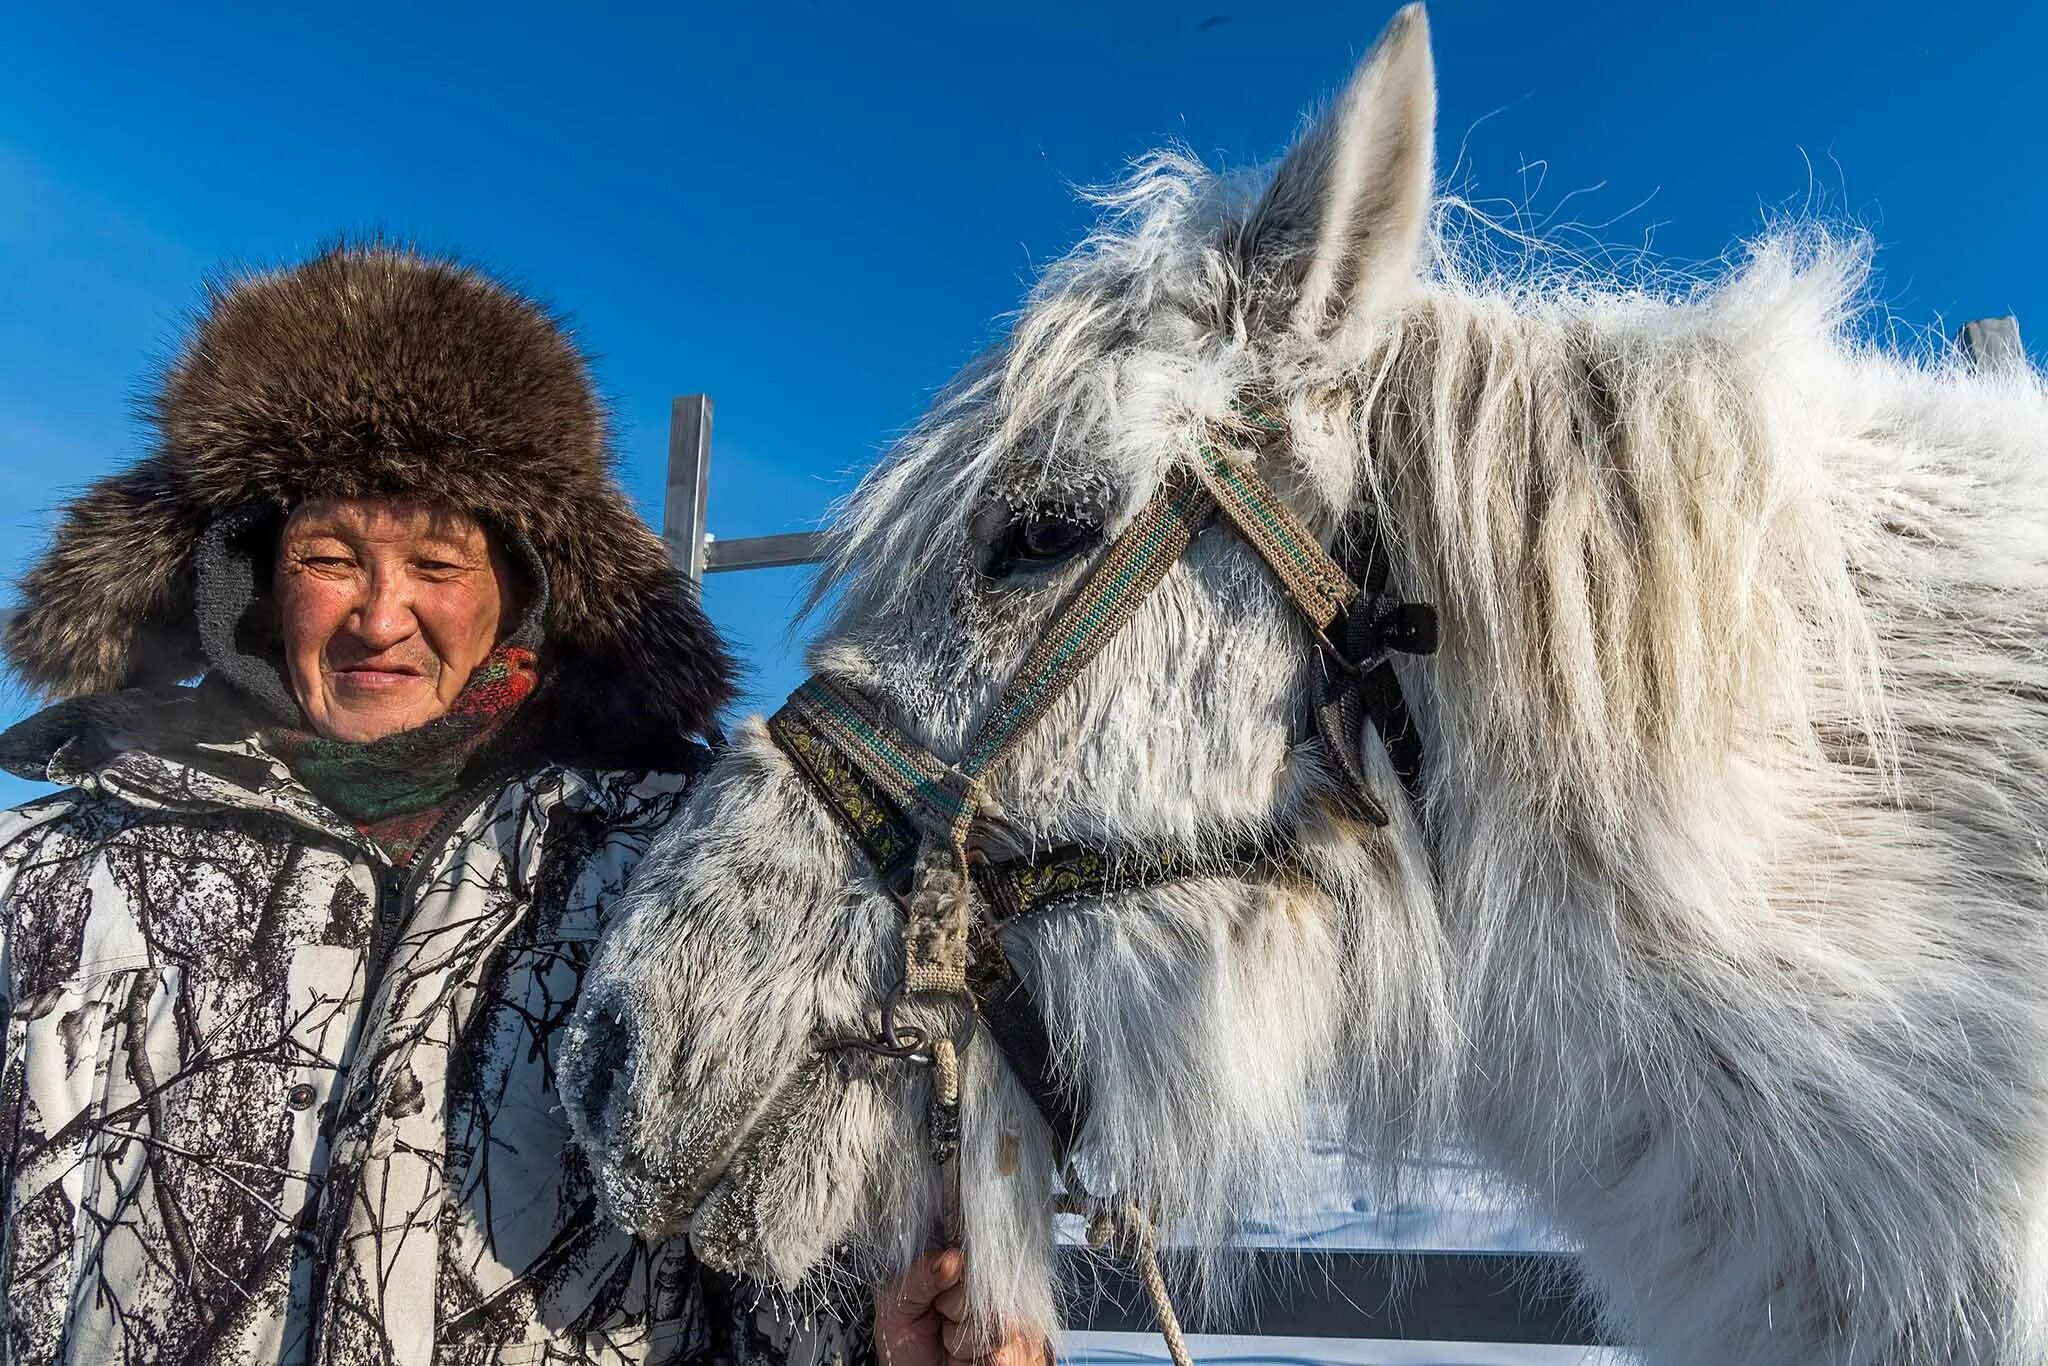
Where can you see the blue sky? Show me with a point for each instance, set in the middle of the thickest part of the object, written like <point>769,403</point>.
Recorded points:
<point>816,212</point>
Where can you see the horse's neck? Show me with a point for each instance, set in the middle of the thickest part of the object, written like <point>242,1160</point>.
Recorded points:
<point>1646,614</point>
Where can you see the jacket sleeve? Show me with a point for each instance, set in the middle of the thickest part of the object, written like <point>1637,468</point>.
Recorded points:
<point>22,833</point>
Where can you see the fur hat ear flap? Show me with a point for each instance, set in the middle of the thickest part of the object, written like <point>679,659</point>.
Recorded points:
<point>668,625</point>
<point>238,625</point>
<point>110,605</point>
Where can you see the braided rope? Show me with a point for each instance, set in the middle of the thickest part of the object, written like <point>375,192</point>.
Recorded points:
<point>1126,1229</point>
<point>1143,1245</point>
<point>946,1098</point>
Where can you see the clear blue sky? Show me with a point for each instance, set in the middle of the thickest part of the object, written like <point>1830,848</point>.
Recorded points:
<point>815,212</point>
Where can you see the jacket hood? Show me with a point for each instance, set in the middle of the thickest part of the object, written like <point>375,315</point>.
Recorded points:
<point>375,371</point>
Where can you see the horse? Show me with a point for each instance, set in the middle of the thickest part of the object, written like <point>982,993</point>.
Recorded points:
<point>1696,880</point>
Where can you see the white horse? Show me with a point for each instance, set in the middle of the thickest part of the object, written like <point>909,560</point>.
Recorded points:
<point>1719,922</point>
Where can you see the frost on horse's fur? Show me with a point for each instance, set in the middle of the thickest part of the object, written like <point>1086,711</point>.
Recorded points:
<point>1721,928</point>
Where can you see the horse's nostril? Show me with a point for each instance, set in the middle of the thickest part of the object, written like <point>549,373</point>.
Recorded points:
<point>605,1047</point>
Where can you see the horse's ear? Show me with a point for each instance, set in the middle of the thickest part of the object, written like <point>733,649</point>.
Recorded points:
<point>1340,229</point>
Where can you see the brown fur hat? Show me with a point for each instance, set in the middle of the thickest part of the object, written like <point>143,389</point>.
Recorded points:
<point>374,370</point>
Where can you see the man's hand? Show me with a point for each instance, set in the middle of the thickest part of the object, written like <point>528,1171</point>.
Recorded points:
<point>921,1321</point>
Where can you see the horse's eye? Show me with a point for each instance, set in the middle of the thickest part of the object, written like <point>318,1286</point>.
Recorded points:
<point>1039,539</point>
<point>1044,539</point>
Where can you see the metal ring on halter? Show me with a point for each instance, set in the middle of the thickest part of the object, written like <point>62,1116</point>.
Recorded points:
<point>903,1043</point>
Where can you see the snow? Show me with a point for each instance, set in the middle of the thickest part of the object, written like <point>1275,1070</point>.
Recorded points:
<point>1136,1349</point>
<point>1455,1206</point>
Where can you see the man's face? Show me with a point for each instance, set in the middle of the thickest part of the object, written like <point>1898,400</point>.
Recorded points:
<point>387,607</point>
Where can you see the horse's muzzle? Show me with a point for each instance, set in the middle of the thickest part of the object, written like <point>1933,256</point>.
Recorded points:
<point>658,1151</point>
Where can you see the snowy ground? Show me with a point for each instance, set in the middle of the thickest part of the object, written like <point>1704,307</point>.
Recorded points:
<point>1455,1207</point>
<point>1452,1205</point>
<point>1137,1349</point>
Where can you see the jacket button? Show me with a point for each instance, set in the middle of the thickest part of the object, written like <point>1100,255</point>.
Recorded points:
<point>301,1097</point>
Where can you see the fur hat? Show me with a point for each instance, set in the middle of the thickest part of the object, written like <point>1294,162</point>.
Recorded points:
<point>374,370</point>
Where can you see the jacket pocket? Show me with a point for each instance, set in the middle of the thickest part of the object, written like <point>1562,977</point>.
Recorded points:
<point>65,1042</point>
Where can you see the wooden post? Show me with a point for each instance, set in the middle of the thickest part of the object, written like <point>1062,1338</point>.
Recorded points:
<point>1993,343</point>
<point>689,482</point>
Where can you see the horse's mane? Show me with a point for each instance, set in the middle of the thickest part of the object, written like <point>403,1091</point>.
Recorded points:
<point>1612,464</point>
<point>1620,499</point>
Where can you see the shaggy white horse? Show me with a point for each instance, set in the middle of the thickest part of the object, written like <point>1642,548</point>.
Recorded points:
<point>1721,925</point>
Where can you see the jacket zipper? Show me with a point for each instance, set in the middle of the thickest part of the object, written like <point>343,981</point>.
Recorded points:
<point>397,887</point>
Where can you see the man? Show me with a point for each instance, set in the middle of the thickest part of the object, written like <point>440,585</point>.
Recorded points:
<point>286,963</point>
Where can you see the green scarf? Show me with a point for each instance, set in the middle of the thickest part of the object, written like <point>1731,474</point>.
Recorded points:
<point>396,790</point>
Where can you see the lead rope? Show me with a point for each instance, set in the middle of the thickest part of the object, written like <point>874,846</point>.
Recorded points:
<point>944,1127</point>
<point>1124,1228</point>
<point>1141,1245</point>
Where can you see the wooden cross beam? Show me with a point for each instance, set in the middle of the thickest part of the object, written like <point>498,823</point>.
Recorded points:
<point>696,551</point>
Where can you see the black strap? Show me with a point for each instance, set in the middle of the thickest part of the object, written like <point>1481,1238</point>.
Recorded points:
<point>864,811</point>
<point>1387,709</point>
<point>1011,1015</point>
<point>1361,686</point>
<point>1363,689</point>
<point>1019,888</point>
<point>1340,720</point>
<point>1013,890</point>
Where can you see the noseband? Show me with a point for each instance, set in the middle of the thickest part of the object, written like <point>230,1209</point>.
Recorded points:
<point>913,814</point>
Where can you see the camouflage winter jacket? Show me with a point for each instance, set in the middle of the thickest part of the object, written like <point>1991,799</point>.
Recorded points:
<point>224,1137</point>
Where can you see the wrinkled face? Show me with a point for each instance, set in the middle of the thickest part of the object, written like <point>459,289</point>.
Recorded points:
<point>386,608</point>
<point>1201,1018</point>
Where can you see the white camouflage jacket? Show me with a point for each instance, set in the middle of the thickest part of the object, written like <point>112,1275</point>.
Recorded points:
<point>222,1139</point>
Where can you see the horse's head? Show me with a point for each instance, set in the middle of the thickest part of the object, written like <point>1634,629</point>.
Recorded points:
<point>1196,1014</point>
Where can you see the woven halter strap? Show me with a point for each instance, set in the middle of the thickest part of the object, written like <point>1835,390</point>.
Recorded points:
<point>912,813</point>
<point>832,731</point>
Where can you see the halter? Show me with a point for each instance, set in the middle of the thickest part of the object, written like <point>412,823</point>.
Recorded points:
<point>913,814</point>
